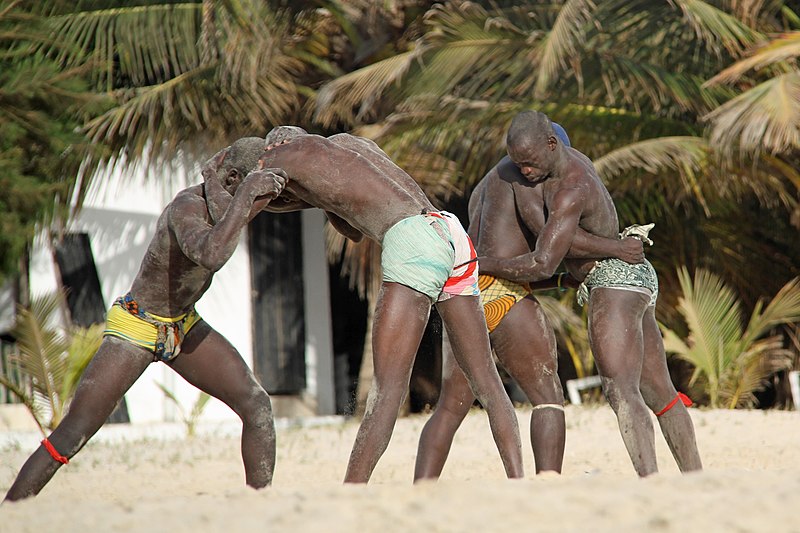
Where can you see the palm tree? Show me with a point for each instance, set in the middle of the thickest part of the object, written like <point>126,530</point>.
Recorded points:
<point>183,76</point>
<point>731,360</point>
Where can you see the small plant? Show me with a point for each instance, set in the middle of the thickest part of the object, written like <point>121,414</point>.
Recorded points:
<point>190,419</point>
<point>731,359</point>
<point>49,360</point>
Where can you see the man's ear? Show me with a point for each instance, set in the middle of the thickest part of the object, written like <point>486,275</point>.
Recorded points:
<point>232,177</point>
<point>552,142</point>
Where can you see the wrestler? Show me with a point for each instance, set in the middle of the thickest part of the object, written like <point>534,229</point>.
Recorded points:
<point>156,321</point>
<point>506,214</point>
<point>427,258</point>
<point>623,332</point>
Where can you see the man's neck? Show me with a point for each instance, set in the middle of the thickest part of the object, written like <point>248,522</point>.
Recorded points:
<point>561,164</point>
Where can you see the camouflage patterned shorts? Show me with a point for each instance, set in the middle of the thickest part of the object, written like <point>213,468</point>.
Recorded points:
<point>616,273</point>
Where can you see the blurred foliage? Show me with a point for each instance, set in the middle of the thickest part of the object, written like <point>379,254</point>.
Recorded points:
<point>43,155</point>
<point>49,360</point>
<point>732,359</point>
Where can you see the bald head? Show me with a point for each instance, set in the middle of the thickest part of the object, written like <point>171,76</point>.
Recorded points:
<point>230,165</point>
<point>533,146</point>
<point>529,127</point>
<point>282,134</point>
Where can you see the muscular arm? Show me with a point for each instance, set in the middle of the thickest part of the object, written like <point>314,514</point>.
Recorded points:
<point>585,245</point>
<point>588,246</point>
<point>552,245</point>
<point>475,208</point>
<point>286,203</point>
<point>343,227</point>
<point>211,246</point>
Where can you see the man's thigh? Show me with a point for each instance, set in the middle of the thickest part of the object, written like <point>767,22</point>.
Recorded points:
<point>211,363</point>
<point>615,331</point>
<point>524,340</point>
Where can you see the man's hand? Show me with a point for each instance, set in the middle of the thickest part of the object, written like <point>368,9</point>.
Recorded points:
<point>630,250</point>
<point>268,182</point>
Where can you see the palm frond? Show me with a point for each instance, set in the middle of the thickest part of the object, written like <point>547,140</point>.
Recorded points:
<point>688,156</point>
<point>83,345</point>
<point>674,344</point>
<point>27,399</point>
<point>144,44</point>
<point>765,118</point>
<point>783,48</point>
<point>41,350</point>
<point>713,316</point>
<point>730,362</point>
<point>171,396</point>
<point>199,405</point>
<point>472,54</point>
<point>359,89</point>
<point>173,95</point>
<point>718,29</point>
<point>784,308</point>
<point>683,154</point>
<point>642,84</point>
<point>563,40</point>
<point>753,368</point>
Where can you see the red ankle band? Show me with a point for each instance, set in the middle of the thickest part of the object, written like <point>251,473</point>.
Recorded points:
<point>680,396</point>
<point>54,453</point>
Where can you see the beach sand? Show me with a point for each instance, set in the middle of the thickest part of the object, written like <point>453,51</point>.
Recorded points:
<point>751,482</point>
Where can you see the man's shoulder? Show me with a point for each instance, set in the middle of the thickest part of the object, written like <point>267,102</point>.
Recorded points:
<point>355,142</point>
<point>189,199</point>
<point>342,136</point>
<point>506,167</point>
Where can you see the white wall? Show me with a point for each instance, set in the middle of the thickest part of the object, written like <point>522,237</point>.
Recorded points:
<point>319,336</point>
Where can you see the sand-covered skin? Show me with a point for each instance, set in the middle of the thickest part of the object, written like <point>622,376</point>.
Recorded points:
<point>751,483</point>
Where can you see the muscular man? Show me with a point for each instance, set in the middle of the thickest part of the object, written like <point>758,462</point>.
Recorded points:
<point>623,332</point>
<point>506,214</point>
<point>427,258</point>
<point>156,321</point>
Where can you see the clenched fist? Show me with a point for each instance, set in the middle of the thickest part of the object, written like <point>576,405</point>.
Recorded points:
<point>266,182</point>
<point>631,250</point>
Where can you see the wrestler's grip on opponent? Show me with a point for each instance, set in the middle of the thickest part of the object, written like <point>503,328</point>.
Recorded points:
<point>265,183</point>
<point>631,250</point>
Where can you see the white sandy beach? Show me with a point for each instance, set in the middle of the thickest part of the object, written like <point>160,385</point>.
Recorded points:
<point>152,481</point>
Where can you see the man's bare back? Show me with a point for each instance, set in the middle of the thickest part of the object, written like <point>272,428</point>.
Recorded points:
<point>344,182</point>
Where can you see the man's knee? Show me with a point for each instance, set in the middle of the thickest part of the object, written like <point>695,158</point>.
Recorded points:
<point>618,394</point>
<point>256,407</point>
<point>454,408</point>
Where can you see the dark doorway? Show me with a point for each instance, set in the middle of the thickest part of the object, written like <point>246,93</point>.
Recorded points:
<point>349,329</point>
<point>276,264</point>
<point>79,276</point>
